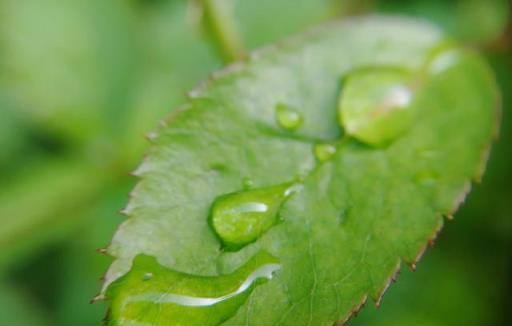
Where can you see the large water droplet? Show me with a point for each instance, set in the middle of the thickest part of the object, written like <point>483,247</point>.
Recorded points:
<point>374,106</point>
<point>183,299</point>
<point>288,118</point>
<point>324,151</point>
<point>242,217</point>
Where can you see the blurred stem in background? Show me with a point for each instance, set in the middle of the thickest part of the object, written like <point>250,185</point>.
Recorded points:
<point>82,81</point>
<point>219,17</point>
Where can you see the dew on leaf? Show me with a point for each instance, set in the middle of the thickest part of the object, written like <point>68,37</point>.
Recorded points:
<point>247,183</point>
<point>147,276</point>
<point>185,299</point>
<point>288,118</point>
<point>242,217</point>
<point>324,151</point>
<point>443,61</point>
<point>375,105</point>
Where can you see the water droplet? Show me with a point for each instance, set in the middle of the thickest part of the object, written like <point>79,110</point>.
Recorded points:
<point>443,61</point>
<point>288,118</point>
<point>182,298</point>
<point>375,105</point>
<point>247,183</point>
<point>147,276</point>
<point>324,151</point>
<point>242,217</point>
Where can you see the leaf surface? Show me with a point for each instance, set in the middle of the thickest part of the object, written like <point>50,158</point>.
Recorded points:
<point>358,208</point>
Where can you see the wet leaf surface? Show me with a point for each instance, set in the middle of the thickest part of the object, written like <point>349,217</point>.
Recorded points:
<point>359,212</point>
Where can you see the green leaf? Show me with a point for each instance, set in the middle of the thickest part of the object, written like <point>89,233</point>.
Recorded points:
<point>359,207</point>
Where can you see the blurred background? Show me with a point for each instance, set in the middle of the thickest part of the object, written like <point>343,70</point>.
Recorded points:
<point>82,82</point>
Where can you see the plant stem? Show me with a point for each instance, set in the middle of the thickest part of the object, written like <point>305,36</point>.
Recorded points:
<point>220,22</point>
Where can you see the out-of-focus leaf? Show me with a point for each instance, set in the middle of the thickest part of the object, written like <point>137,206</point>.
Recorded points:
<point>81,264</point>
<point>68,63</point>
<point>36,207</point>
<point>13,137</point>
<point>475,21</point>
<point>356,211</point>
<point>489,209</point>
<point>16,308</point>
<point>443,291</point>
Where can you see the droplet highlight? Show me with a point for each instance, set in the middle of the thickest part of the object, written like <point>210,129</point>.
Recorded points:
<point>288,118</point>
<point>147,276</point>
<point>375,105</point>
<point>242,217</point>
<point>247,183</point>
<point>444,61</point>
<point>324,151</point>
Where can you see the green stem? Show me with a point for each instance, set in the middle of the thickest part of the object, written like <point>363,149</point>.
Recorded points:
<point>219,18</point>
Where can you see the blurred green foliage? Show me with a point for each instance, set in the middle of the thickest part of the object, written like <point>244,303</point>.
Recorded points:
<point>82,81</point>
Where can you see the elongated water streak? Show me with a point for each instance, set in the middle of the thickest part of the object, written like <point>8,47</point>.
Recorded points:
<point>264,271</point>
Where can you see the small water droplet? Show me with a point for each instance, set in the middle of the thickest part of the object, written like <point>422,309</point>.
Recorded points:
<point>288,118</point>
<point>375,105</point>
<point>242,217</point>
<point>443,61</point>
<point>324,151</point>
<point>147,276</point>
<point>247,183</point>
